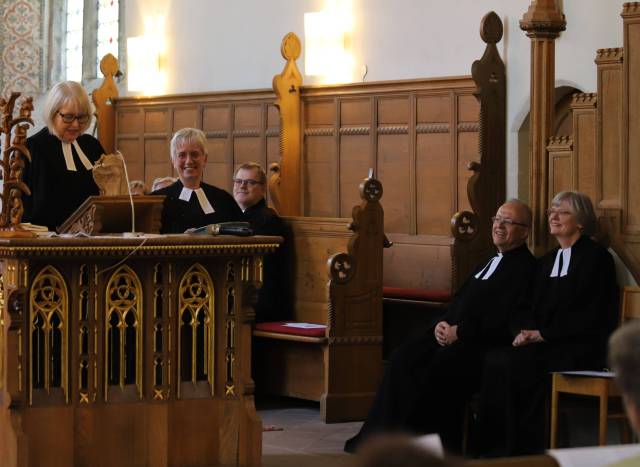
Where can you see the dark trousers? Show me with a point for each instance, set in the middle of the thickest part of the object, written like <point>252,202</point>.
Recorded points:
<point>424,390</point>
<point>516,381</point>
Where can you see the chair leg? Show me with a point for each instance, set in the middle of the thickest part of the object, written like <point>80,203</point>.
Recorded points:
<point>625,431</point>
<point>554,416</point>
<point>602,422</point>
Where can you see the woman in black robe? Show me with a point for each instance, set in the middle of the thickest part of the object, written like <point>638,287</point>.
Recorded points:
<point>189,201</point>
<point>575,306</point>
<point>60,175</point>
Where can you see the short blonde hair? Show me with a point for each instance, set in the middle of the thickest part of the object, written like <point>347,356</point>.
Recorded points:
<point>188,135</point>
<point>63,93</point>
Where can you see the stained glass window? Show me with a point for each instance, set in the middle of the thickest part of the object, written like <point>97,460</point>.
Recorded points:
<point>107,29</point>
<point>73,46</point>
<point>93,24</point>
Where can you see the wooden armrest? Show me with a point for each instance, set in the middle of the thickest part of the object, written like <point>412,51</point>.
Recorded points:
<point>290,337</point>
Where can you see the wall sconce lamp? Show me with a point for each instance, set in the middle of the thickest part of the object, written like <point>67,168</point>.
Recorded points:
<point>144,60</point>
<point>326,51</point>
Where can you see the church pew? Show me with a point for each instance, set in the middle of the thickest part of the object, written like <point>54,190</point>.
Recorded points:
<point>336,281</point>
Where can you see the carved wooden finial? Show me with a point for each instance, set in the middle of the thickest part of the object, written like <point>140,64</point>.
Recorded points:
<point>109,65</point>
<point>285,189</point>
<point>102,98</point>
<point>291,47</point>
<point>491,28</point>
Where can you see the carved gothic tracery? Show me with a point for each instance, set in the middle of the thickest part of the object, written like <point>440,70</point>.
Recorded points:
<point>49,318</point>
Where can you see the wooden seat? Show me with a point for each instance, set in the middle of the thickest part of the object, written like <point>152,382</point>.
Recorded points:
<point>603,387</point>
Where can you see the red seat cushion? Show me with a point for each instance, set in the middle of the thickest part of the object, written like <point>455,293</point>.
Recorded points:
<point>416,294</point>
<point>279,326</point>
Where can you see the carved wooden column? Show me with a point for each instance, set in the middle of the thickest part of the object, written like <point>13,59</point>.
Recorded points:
<point>102,98</point>
<point>543,23</point>
<point>285,180</point>
<point>630,118</point>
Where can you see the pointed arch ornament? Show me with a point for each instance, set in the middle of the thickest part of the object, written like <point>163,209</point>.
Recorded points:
<point>123,331</point>
<point>49,333</point>
<point>196,336</point>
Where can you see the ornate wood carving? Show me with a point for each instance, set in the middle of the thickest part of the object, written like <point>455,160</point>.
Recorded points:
<point>543,23</point>
<point>123,327</point>
<point>487,186</point>
<point>103,100</point>
<point>287,88</point>
<point>13,152</point>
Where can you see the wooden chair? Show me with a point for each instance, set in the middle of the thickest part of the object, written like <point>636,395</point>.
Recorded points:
<point>603,387</point>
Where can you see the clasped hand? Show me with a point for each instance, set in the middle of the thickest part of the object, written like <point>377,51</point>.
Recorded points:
<point>527,336</point>
<point>445,333</point>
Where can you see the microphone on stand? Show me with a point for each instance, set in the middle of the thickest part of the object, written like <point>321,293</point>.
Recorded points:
<point>133,232</point>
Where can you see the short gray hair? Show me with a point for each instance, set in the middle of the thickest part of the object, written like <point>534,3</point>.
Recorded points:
<point>63,93</point>
<point>188,135</point>
<point>262,176</point>
<point>581,207</point>
<point>624,359</point>
<point>525,208</point>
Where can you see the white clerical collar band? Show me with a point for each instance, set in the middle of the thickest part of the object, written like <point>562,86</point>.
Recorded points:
<point>185,195</point>
<point>486,272</point>
<point>68,156</point>
<point>561,264</point>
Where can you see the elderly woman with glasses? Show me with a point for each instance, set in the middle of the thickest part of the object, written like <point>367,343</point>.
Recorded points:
<point>574,309</point>
<point>62,156</point>
<point>189,201</point>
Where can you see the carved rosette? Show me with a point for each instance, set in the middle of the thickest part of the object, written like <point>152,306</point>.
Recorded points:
<point>342,267</point>
<point>464,226</point>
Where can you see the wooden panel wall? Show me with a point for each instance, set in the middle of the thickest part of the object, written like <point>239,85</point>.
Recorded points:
<point>418,135</point>
<point>240,127</point>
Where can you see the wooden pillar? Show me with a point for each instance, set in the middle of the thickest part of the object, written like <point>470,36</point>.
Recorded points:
<point>543,23</point>
<point>630,118</point>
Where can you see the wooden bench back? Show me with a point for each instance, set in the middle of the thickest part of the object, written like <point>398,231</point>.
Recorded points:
<point>313,241</point>
<point>335,267</point>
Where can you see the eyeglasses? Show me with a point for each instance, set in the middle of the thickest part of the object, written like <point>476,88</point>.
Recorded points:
<point>507,222</point>
<point>560,212</point>
<point>69,118</point>
<point>248,182</point>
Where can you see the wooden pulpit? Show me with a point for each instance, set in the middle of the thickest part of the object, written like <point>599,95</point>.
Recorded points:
<point>112,214</point>
<point>129,351</point>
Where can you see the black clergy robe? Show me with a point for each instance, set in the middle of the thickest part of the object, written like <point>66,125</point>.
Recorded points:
<point>55,191</point>
<point>272,304</point>
<point>179,215</point>
<point>426,386</point>
<point>575,314</point>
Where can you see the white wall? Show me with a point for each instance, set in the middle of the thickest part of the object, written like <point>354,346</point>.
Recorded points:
<point>223,44</point>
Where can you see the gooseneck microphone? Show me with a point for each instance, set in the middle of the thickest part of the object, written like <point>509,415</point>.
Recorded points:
<point>133,232</point>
